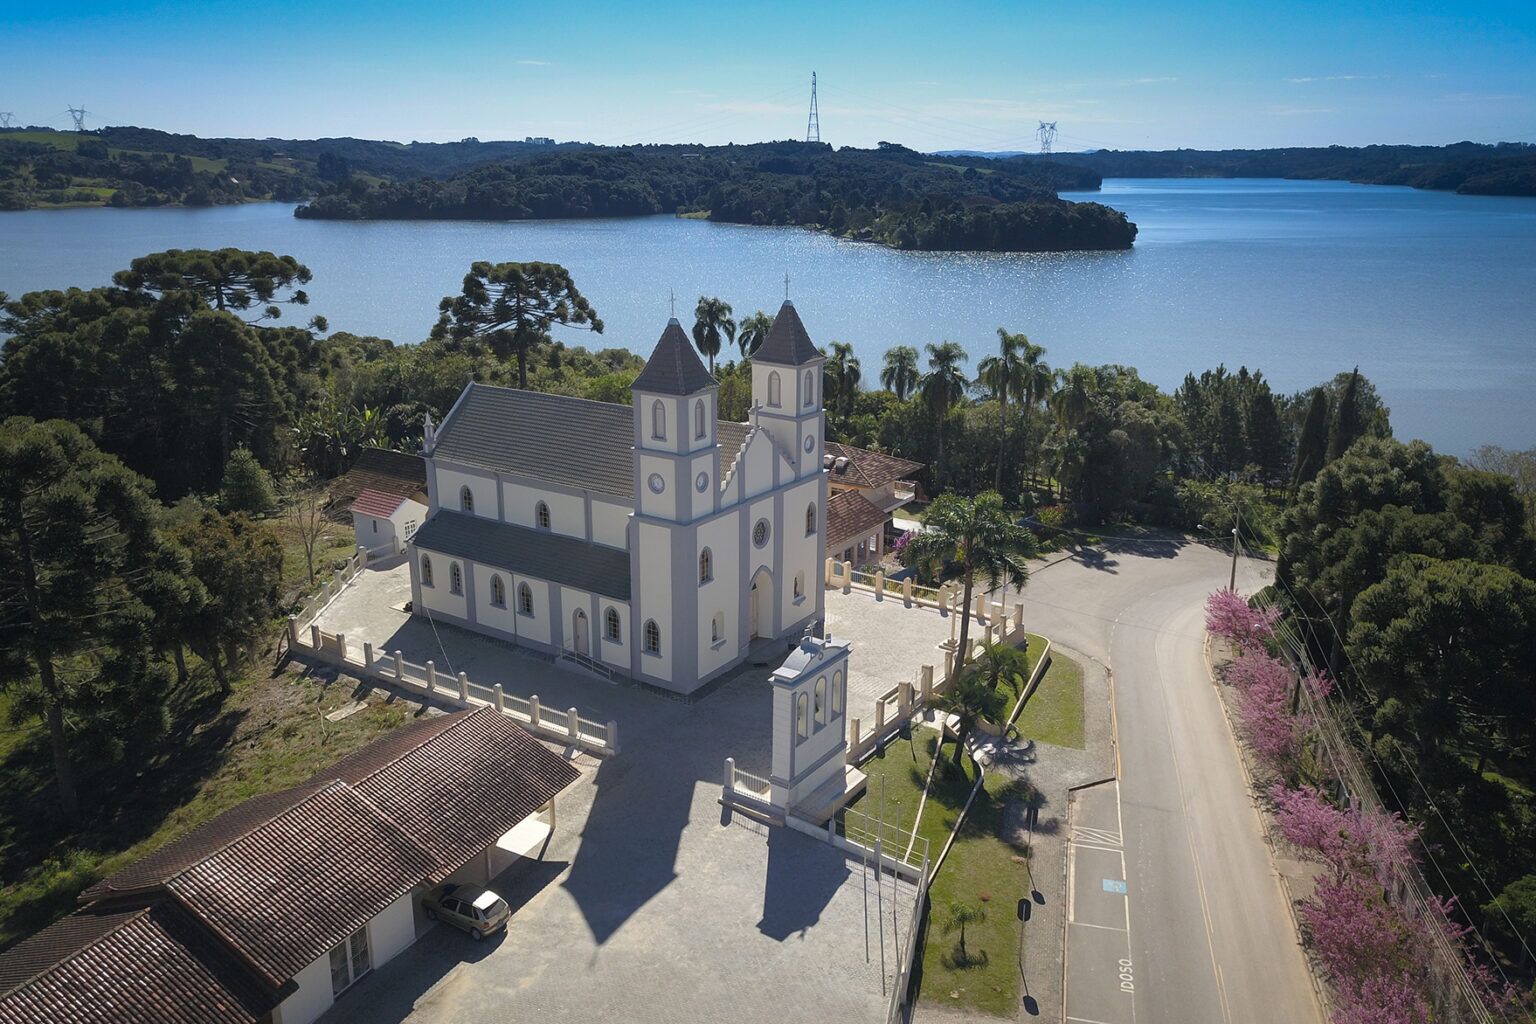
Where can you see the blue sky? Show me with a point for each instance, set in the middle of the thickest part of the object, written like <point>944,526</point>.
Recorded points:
<point>931,75</point>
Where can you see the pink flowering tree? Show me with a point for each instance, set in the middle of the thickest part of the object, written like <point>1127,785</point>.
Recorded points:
<point>1228,616</point>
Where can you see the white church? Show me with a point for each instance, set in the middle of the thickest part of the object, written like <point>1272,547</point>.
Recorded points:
<point>651,541</point>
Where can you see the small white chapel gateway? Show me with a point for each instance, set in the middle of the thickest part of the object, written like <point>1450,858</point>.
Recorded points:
<point>652,541</point>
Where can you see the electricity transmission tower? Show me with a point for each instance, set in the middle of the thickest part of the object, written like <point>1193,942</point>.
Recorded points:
<point>7,119</point>
<point>813,123</point>
<point>1047,133</point>
<point>78,113</point>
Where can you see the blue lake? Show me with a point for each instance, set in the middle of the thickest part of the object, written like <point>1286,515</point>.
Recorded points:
<point>1432,294</point>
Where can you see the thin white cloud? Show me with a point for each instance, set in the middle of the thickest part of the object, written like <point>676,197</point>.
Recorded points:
<point>1285,111</point>
<point>697,93</point>
<point>1333,78</point>
<point>535,63</point>
<point>1154,81</point>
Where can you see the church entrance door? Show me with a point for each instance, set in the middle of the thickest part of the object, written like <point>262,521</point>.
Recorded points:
<point>760,607</point>
<point>579,632</point>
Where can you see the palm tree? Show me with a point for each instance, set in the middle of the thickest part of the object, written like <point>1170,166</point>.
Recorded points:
<point>1003,661</point>
<point>1071,402</point>
<point>943,386</point>
<point>711,320</point>
<point>752,332</point>
<point>842,377</point>
<point>960,915</point>
<point>900,374</point>
<point>1036,386</point>
<point>970,700</point>
<point>982,539</point>
<point>1003,375</point>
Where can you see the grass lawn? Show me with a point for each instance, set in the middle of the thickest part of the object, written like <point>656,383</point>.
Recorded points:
<point>269,733</point>
<point>985,868</point>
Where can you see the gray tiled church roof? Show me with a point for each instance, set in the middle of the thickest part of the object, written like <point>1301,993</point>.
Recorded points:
<point>787,343</point>
<point>557,438</point>
<point>547,556</point>
<point>674,367</point>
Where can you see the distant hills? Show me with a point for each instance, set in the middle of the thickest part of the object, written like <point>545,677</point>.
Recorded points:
<point>1505,169</point>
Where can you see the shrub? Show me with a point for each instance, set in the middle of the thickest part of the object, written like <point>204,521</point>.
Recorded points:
<point>247,487</point>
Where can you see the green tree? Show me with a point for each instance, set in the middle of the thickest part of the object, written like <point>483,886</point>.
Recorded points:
<point>1312,447</point>
<point>76,529</point>
<point>842,375</point>
<point>227,380</point>
<point>943,388</point>
<point>752,332</point>
<point>971,699</point>
<point>1003,377</point>
<point>998,662</point>
<point>239,563</point>
<point>979,538</point>
<point>1348,422</point>
<point>227,279</point>
<point>247,486</point>
<point>1265,437</point>
<point>712,326</point>
<point>900,374</point>
<point>959,915</point>
<point>513,307</point>
<point>1514,912</point>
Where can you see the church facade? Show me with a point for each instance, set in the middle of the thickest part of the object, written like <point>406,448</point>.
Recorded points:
<point>651,541</point>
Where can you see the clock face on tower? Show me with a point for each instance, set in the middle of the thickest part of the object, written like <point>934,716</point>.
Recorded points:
<point>656,483</point>
<point>701,482</point>
<point>810,443</point>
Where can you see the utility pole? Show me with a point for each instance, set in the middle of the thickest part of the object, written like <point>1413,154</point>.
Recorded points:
<point>7,119</point>
<point>813,123</point>
<point>78,113</point>
<point>1047,133</point>
<point>1237,521</point>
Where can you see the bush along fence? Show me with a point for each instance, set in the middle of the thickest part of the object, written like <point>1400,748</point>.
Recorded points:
<point>1390,950</point>
<point>309,640</point>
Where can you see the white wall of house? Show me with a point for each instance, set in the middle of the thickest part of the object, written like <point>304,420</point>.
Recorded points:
<point>610,523</point>
<point>388,934</point>
<point>383,536</point>
<point>537,626</point>
<point>567,512</point>
<point>801,550</point>
<point>439,597</point>
<point>614,652</point>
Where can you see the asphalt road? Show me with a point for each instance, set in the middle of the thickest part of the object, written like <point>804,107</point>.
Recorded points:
<point>1210,938</point>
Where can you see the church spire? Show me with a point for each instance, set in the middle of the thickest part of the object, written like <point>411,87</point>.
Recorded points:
<point>674,367</point>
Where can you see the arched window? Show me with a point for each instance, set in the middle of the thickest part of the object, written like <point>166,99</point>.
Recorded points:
<point>717,628</point>
<point>700,430</point>
<point>652,637</point>
<point>821,701</point>
<point>706,566</point>
<point>426,571</point>
<point>658,420</point>
<point>802,716</point>
<point>466,499</point>
<point>455,578</point>
<point>773,388</point>
<point>837,693</point>
<point>800,584</point>
<point>809,391</point>
<point>810,519</point>
<point>525,599</point>
<point>613,627</point>
<point>541,516</point>
<point>498,592</point>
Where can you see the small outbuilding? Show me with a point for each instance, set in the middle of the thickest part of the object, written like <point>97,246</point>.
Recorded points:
<point>384,523</point>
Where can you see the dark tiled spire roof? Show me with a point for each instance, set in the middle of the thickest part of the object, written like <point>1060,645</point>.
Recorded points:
<point>674,367</point>
<point>787,343</point>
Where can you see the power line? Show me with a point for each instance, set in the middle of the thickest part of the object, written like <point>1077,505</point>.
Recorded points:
<point>7,119</point>
<point>813,124</point>
<point>78,113</point>
<point>1047,133</point>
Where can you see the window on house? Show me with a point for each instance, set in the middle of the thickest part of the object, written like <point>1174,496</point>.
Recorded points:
<point>410,528</point>
<point>498,592</point>
<point>375,523</point>
<point>802,716</point>
<point>837,693</point>
<point>426,571</point>
<point>350,960</point>
<point>455,578</point>
<point>541,516</point>
<point>773,388</point>
<point>466,499</point>
<point>810,519</point>
<point>525,599</point>
<point>658,420</point>
<point>800,584</point>
<point>700,430</point>
<point>652,637</point>
<point>717,628</point>
<point>821,701</point>
<point>706,566</point>
<point>809,390</point>
<point>614,627</point>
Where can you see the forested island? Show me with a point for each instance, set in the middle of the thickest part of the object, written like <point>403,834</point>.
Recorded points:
<point>1505,169</point>
<point>890,195</point>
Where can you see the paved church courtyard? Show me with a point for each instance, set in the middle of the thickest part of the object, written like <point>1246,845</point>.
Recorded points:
<point>652,902</point>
